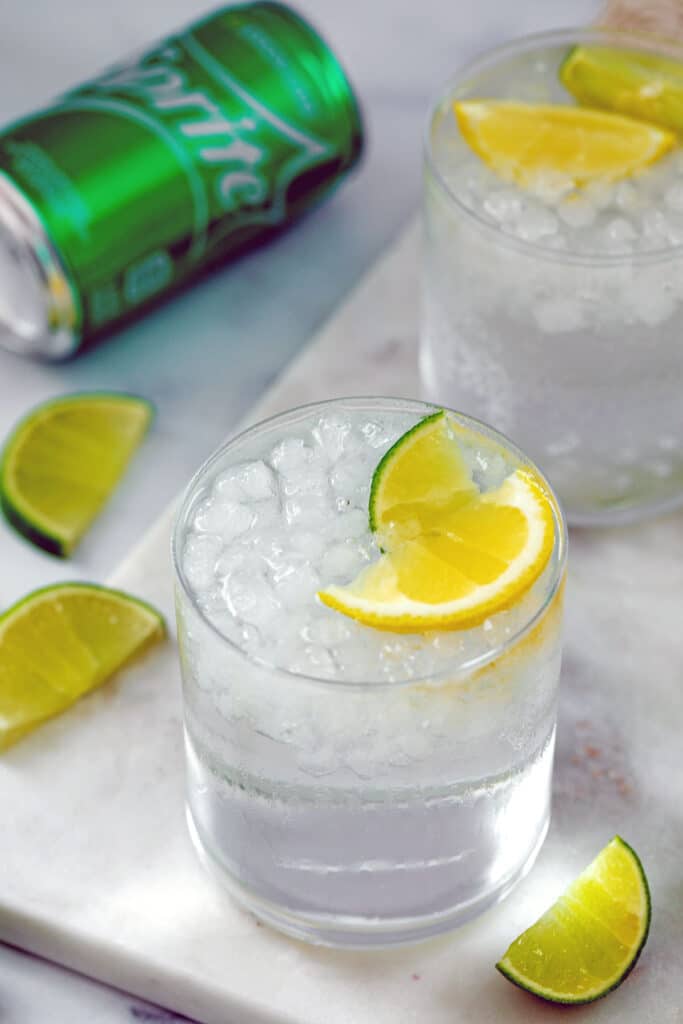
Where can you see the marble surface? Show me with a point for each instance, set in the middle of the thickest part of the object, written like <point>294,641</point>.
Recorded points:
<point>35,991</point>
<point>126,900</point>
<point>397,52</point>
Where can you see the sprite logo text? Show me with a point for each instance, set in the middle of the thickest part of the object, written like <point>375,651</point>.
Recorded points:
<point>171,161</point>
<point>226,129</point>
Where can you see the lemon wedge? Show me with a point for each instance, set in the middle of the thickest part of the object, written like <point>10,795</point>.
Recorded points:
<point>524,142</point>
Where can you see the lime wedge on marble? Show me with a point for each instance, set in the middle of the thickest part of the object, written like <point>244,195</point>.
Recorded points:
<point>589,940</point>
<point>62,462</point>
<point>62,641</point>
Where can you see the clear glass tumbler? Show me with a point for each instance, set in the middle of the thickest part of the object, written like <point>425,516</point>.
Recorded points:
<point>557,317</point>
<point>352,786</point>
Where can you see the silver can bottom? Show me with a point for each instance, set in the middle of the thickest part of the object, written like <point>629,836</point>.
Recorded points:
<point>38,303</point>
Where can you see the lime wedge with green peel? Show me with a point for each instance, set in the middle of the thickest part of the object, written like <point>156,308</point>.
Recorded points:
<point>632,82</point>
<point>420,479</point>
<point>63,461</point>
<point>59,643</point>
<point>451,554</point>
<point>524,142</point>
<point>587,942</point>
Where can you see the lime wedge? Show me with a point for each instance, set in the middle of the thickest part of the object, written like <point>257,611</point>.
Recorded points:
<point>643,85</point>
<point>523,142</point>
<point>62,462</point>
<point>451,555</point>
<point>60,642</point>
<point>587,942</point>
<point>423,473</point>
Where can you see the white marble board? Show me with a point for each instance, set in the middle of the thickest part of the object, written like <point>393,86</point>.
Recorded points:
<point>97,871</point>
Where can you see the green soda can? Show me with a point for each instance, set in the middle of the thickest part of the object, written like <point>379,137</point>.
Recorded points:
<point>126,187</point>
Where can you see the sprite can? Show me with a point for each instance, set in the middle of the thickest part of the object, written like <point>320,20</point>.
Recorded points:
<point>125,188</point>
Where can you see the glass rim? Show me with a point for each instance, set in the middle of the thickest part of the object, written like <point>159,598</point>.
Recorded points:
<point>599,35</point>
<point>452,670</point>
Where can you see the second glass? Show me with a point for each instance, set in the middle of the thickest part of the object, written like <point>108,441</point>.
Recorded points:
<point>558,319</point>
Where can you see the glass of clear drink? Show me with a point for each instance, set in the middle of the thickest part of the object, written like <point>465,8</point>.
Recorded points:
<point>555,313</point>
<point>353,786</point>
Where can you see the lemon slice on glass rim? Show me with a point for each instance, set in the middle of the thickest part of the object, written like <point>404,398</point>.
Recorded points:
<point>452,555</point>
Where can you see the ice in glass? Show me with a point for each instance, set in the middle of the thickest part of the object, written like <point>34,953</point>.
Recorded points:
<point>353,785</point>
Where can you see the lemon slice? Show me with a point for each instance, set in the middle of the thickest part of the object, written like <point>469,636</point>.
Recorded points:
<point>62,462</point>
<point>59,643</point>
<point>642,85</point>
<point>452,555</point>
<point>525,142</point>
<point>587,942</point>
